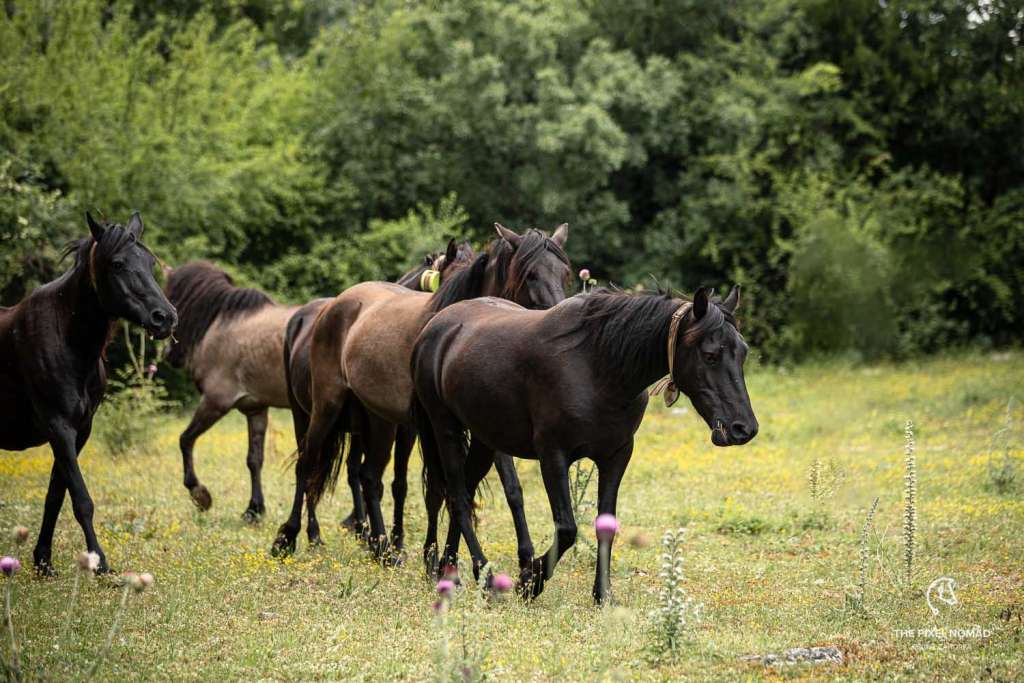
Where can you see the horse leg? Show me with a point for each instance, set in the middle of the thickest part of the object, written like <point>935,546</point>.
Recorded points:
<point>206,416</point>
<point>65,453</point>
<point>554,468</point>
<point>433,500</point>
<point>51,510</point>
<point>452,451</point>
<point>284,544</point>
<point>506,467</point>
<point>405,437</point>
<point>379,435</point>
<point>478,464</point>
<point>356,520</point>
<point>257,423</point>
<point>317,433</point>
<point>609,476</point>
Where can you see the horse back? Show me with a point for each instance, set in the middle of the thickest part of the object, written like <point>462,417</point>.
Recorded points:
<point>363,341</point>
<point>240,359</point>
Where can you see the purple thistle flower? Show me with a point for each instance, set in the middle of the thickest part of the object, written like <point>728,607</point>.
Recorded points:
<point>502,583</point>
<point>445,588</point>
<point>606,526</point>
<point>9,565</point>
<point>585,274</point>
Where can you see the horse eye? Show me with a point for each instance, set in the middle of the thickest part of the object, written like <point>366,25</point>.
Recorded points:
<point>118,265</point>
<point>710,358</point>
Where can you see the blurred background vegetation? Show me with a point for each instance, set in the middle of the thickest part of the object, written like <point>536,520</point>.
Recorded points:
<point>858,165</point>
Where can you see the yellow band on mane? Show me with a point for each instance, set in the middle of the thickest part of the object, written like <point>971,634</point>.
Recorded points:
<point>430,280</point>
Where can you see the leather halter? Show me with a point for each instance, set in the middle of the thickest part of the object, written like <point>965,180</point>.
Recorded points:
<point>667,383</point>
<point>92,265</point>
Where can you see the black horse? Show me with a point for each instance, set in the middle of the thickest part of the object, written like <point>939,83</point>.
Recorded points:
<point>51,368</point>
<point>563,384</point>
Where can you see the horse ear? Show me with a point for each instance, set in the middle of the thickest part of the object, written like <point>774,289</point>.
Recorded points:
<point>95,228</point>
<point>509,235</point>
<point>561,234</point>
<point>733,300</point>
<point>135,225</point>
<point>451,254</point>
<point>700,303</point>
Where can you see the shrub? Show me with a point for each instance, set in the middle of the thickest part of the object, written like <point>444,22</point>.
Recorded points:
<point>134,397</point>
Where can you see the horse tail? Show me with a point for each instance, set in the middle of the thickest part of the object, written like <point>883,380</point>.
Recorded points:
<point>324,450</point>
<point>291,333</point>
<point>326,459</point>
<point>433,471</point>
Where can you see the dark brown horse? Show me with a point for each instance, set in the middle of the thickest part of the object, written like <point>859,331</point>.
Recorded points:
<point>297,372</point>
<point>231,340</point>
<point>51,360</point>
<point>559,385</point>
<point>360,348</point>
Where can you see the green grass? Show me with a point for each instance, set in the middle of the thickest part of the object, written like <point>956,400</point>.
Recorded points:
<point>772,567</point>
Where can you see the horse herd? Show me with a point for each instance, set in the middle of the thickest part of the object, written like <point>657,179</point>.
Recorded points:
<point>479,355</point>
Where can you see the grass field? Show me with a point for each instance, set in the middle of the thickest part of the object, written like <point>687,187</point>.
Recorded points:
<point>772,566</point>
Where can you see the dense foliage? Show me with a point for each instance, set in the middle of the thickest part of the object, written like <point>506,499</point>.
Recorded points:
<point>858,165</point>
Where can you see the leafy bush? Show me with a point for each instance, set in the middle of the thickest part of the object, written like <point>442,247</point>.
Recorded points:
<point>134,397</point>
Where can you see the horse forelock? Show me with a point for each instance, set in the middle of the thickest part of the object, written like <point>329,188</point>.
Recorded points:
<point>715,318</point>
<point>516,263</point>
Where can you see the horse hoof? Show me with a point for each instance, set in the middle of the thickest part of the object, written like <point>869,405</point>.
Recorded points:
<point>315,543</point>
<point>283,546</point>
<point>45,570</point>
<point>531,581</point>
<point>430,563</point>
<point>353,524</point>
<point>393,557</point>
<point>252,517</point>
<point>201,497</point>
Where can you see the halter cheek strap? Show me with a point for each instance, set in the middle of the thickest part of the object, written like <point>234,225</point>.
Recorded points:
<point>667,384</point>
<point>92,266</point>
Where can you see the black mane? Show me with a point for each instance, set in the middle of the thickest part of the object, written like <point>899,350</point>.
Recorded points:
<point>513,264</point>
<point>203,293</point>
<point>630,331</point>
<point>466,283</point>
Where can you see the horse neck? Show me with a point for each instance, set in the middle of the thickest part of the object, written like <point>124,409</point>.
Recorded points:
<point>637,365</point>
<point>86,325</point>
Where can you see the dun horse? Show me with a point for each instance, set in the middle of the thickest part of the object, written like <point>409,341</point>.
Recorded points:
<point>51,361</point>
<point>231,340</point>
<point>559,385</point>
<point>359,363</point>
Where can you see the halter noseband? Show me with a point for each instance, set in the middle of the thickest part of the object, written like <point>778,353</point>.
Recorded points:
<point>667,383</point>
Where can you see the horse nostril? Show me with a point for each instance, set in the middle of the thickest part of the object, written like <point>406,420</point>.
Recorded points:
<point>741,432</point>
